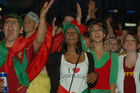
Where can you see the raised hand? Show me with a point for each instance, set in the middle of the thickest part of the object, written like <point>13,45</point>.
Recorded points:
<point>45,8</point>
<point>42,29</point>
<point>91,10</point>
<point>79,14</point>
<point>91,7</point>
<point>54,28</point>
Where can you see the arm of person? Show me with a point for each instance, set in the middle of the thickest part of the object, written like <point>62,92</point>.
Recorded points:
<point>54,28</point>
<point>91,10</point>
<point>92,75</point>
<point>110,29</point>
<point>113,72</point>
<point>42,29</point>
<point>79,14</point>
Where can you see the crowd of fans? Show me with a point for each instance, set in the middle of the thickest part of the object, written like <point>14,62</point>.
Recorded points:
<point>89,57</point>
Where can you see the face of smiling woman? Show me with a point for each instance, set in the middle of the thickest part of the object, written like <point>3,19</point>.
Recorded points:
<point>130,43</point>
<point>71,36</point>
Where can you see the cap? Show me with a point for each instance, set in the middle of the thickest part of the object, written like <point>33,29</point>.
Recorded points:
<point>33,16</point>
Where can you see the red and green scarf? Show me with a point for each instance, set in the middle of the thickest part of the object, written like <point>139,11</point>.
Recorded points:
<point>19,68</point>
<point>7,57</point>
<point>61,89</point>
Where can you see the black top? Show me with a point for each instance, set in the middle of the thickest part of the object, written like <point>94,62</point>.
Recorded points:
<point>53,69</point>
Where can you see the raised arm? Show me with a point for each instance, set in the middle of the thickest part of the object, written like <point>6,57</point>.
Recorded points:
<point>91,10</point>
<point>42,29</point>
<point>79,14</point>
<point>54,27</point>
<point>110,29</point>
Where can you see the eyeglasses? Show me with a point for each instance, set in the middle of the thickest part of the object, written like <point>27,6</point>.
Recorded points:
<point>130,40</point>
<point>11,22</point>
<point>98,30</point>
<point>71,32</point>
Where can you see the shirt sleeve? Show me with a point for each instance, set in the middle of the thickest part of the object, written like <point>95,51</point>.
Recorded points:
<point>114,68</point>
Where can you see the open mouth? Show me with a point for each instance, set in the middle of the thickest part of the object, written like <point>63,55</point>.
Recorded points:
<point>10,31</point>
<point>97,36</point>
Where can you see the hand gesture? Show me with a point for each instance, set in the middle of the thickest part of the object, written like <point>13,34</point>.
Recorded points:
<point>45,8</point>
<point>79,14</point>
<point>54,28</point>
<point>91,7</point>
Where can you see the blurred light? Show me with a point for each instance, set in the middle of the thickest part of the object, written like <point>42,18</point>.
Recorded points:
<point>130,24</point>
<point>130,11</point>
<point>0,8</point>
<point>113,11</point>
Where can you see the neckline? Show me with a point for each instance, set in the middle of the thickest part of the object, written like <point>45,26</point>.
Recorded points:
<point>72,63</point>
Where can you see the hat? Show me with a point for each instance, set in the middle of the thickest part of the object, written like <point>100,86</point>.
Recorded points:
<point>33,16</point>
<point>69,25</point>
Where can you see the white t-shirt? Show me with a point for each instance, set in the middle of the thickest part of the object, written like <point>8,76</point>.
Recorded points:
<point>80,79</point>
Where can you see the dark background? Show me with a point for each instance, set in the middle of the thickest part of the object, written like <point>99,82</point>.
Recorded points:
<point>60,7</point>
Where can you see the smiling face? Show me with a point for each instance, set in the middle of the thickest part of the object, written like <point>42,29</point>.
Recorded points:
<point>29,25</point>
<point>71,36</point>
<point>97,33</point>
<point>130,43</point>
<point>11,29</point>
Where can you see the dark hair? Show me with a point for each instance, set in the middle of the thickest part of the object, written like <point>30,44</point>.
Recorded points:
<point>98,22</point>
<point>86,34</point>
<point>64,45</point>
<point>90,21</point>
<point>70,13</point>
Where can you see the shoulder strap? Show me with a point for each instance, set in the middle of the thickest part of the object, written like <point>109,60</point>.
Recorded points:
<point>74,72</point>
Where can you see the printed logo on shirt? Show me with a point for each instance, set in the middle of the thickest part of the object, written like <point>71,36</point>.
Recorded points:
<point>71,71</point>
<point>77,70</point>
<point>75,76</point>
<point>126,74</point>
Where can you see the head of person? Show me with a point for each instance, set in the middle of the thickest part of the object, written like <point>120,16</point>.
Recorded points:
<point>71,37</point>
<point>69,16</point>
<point>130,42</point>
<point>113,44</point>
<point>97,31</point>
<point>106,43</point>
<point>12,27</point>
<point>124,32</point>
<point>138,32</point>
<point>31,21</point>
